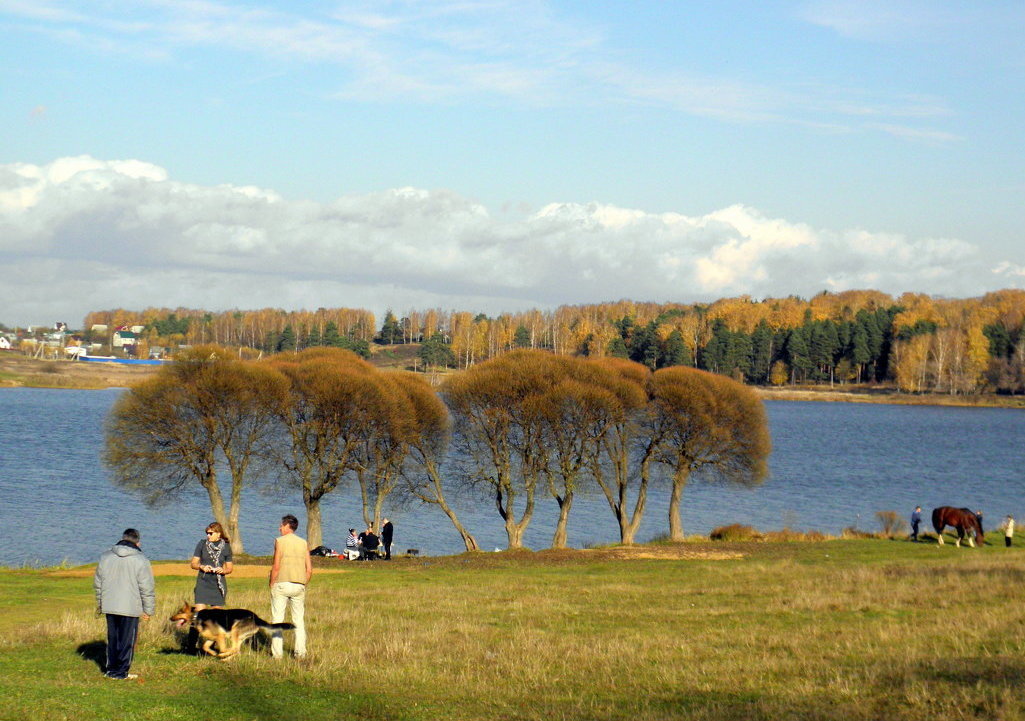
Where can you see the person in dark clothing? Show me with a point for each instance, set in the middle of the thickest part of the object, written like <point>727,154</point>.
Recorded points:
<point>125,591</point>
<point>916,521</point>
<point>370,543</point>
<point>387,531</point>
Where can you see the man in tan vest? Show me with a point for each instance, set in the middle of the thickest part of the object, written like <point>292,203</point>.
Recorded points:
<point>289,574</point>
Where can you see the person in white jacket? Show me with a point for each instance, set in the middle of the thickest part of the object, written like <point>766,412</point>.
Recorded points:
<point>1008,530</point>
<point>125,591</point>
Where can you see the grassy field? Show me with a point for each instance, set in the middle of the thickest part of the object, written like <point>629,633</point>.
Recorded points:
<point>845,629</point>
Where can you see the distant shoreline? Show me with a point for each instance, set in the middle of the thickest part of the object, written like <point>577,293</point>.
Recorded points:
<point>18,371</point>
<point>889,396</point>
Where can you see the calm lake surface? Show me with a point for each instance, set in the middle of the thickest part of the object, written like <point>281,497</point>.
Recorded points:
<point>833,465</point>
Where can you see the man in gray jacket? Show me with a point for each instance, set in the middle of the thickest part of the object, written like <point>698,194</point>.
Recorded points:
<point>124,592</point>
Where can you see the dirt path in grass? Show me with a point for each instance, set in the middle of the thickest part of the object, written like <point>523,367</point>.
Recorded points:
<point>182,569</point>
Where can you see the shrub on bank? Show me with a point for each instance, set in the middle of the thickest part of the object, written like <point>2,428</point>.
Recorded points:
<point>892,523</point>
<point>735,532</point>
<point>739,532</point>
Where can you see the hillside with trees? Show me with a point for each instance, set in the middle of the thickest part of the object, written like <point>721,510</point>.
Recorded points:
<point>915,342</point>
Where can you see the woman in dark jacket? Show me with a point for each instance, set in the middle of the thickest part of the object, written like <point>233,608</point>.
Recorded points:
<point>212,558</point>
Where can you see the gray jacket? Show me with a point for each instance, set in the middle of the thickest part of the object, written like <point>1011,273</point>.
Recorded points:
<point>124,582</point>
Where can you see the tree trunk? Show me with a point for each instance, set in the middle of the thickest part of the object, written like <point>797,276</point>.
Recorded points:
<point>468,540</point>
<point>233,529</point>
<point>213,491</point>
<point>675,522</point>
<point>626,531</point>
<point>235,508</point>
<point>514,529</point>
<point>314,533</point>
<point>515,536</point>
<point>364,496</point>
<point>439,498</point>
<point>378,506</point>
<point>559,539</point>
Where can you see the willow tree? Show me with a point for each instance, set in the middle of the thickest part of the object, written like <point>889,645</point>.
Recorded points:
<point>709,424</point>
<point>334,403</point>
<point>627,448</point>
<point>383,447</point>
<point>499,433</point>
<point>427,444</point>
<point>177,428</point>
<point>574,414</point>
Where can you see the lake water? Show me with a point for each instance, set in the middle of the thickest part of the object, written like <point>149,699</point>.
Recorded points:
<point>833,465</point>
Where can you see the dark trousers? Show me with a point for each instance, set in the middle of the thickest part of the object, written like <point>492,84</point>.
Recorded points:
<point>914,531</point>
<point>1007,541</point>
<point>387,550</point>
<point>121,632</point>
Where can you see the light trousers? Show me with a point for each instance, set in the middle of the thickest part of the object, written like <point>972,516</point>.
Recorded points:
<point>292,595</point>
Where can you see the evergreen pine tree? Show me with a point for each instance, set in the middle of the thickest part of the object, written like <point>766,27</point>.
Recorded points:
<point>675,352</point>
<point>617,348</point>
<point>738,359</point>
<point>644,345</point>
<point>287,340</point>
<point>521,338</point>
<point>761,352</point>
<point>713,357</point>
<point>797,352</point>
<point>391,331</point>
<point>331,337</point>
<point>437,353</point>
<point>860,354</point>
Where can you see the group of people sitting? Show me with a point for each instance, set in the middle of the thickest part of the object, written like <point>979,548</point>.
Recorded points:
<point>368,546</point>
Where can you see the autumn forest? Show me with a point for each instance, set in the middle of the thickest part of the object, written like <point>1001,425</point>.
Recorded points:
<point>916,342</point>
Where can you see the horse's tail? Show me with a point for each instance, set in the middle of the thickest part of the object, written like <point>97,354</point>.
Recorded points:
<point>937,519</point>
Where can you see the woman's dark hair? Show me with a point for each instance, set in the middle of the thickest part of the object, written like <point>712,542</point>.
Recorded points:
<point>215,526</point>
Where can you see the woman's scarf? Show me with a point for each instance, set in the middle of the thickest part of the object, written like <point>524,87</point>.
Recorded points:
<point>214,552</point>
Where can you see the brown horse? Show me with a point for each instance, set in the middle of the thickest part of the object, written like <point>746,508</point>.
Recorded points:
<point>963,521</point>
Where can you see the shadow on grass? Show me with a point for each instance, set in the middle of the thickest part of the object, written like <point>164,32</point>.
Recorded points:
<point>230,694</point>
<point>189,644</point>
<point>997,670</point>
<point>757,706</point>
<point>95,651</point>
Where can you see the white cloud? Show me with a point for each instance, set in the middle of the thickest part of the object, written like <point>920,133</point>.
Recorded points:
<point>81,234</point>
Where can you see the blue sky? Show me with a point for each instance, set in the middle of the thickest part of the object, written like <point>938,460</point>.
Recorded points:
<point>467,153</point>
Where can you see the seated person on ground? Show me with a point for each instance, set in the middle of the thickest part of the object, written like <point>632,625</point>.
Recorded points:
<point>370,543</point>
<point>353,549</point>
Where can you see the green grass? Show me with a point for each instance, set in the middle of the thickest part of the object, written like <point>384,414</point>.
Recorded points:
<point>846,629</point>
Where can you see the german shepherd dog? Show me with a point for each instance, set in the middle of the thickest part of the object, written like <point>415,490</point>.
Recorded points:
<point>227,628</point>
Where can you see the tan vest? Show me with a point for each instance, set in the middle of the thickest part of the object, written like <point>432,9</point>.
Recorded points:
<point>293,553</point>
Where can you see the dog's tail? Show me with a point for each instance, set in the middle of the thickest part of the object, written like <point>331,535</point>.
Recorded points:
<point>273,626</point>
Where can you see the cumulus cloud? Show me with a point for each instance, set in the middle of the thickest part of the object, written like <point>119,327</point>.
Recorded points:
<point>82,234</point>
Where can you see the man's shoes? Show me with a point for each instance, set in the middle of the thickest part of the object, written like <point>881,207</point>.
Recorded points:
<point>129,677</point>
